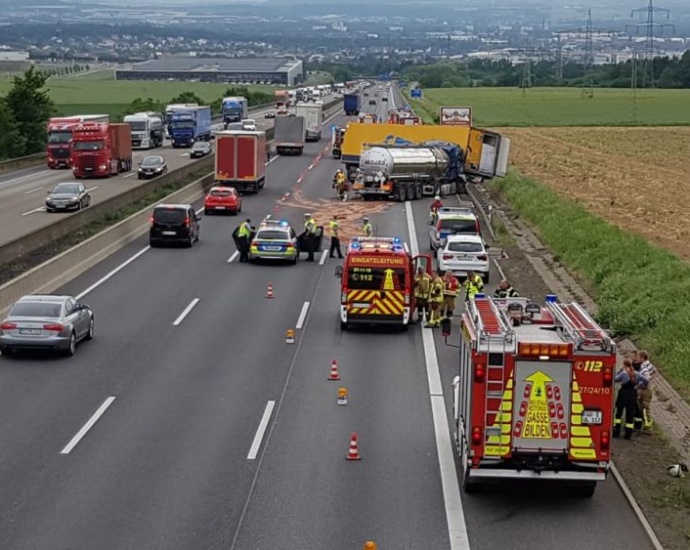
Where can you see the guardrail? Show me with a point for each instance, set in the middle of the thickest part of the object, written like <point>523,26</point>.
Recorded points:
<point>25,245</point>
<point>36,158</point>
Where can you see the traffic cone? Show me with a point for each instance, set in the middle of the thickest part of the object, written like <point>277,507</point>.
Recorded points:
<point>269,291</point>
<point>369,545</point>
<point>335,375</point>
<point>353,452</point>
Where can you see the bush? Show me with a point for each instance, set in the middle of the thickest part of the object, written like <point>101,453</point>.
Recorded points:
<point>642,291</point>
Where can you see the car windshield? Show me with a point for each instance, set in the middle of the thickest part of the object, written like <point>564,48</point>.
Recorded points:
<point>60,136</point>
<point>200,145</point>
<point>458,226</point>
<point>271,235</point>
<point>221,193</point>
<point>35,309</point>
<point>88,145</point>
<point>169,216</point>
<point>376,278</point>
<point>70,188</point>
<point>465,247</point>
<point>152,161</point>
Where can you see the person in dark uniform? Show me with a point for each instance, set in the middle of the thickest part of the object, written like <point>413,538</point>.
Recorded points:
<point>335,238</point>
<point>243,235</point>
<point>626,400</point>
<point>309,236</point>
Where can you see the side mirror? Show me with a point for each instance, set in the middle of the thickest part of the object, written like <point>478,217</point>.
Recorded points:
<point>339,272</point>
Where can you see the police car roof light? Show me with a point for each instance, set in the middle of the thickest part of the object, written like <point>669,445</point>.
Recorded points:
<point>551,298</point>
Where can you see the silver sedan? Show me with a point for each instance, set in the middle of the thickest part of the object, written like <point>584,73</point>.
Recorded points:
<point>46,322</point>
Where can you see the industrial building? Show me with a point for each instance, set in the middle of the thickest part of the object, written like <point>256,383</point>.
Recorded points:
<point>284,72</point>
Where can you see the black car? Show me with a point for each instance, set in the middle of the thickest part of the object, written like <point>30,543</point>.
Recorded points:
<point>270,114</point>
<point>174,223</point>
<point>68,196</point>
<point>200,149</point>
<point>152,166</point>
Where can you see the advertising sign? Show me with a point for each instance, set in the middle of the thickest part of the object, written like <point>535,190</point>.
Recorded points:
<point>456,116</point>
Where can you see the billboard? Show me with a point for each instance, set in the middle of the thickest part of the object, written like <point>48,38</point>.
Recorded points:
<point>456,116</point>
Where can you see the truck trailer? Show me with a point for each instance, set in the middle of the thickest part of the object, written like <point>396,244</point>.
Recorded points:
<point>234,109</point>
<point>313,119</point>
<point>101,149</point>
<point>289,135</point>
<point>188,127</point>
<point>59,138</point>
<point>241,160</point>
<point>352,103</point>
<point>147,130</point>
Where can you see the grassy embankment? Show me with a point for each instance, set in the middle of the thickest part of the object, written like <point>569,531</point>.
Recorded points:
<point>642,290</point>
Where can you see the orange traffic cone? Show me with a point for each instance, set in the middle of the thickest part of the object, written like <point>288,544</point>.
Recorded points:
<point>335,375</point>
<point>353,452</point>
<point>269,291</point>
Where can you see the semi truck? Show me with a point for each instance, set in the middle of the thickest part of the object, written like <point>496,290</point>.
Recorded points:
<point>101,149</point>
<point>234,109</point>
<point>352,103</point>
<point>176,108</point>
<point>289,135</point>
<point>313,119</point>
<point>241,160</point>
<point>337,138</point>
<point>409,172</point>
<point>147,130</point>
<point>282,99</point>
<point>59,138</point>
<point>186,128</point>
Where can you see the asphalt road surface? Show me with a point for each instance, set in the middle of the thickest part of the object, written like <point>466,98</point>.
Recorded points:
<point>208,431</point>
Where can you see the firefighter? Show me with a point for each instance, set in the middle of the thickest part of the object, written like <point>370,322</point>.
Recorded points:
<point>645,394</point>
<point>473,285</point>
<point>309,236</point>
<point>367,229</point>
<point>422,287</point>
<point>244,234</point>
<point>435,301</point>
<point>626,400</point>
<point>451,287</point>
<point>505,290</point>
<point>340,184</point>
<point>433,209</point>
<point>335,238</point>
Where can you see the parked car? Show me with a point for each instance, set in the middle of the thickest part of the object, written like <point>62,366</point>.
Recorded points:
<point>174,223</point>
<point>249,124</point>
<point>464,253</point>
<point>200,149</point>
<point>222,199</point>
<point>46,322</point>
<point>68,196</point>
<point>152,166</point>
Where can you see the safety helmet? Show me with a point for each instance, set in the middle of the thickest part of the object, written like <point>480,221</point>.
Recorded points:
<point>340,170</point>
<point>307,215</point>
<point>248,220</point>
<point>365,218</point>
<point>437,197</point>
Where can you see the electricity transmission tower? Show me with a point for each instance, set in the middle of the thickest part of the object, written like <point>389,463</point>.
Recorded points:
<point>649,26</point>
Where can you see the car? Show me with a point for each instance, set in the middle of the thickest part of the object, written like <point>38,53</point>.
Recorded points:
<point>274,240</point>
<point>200,149</point>
<point>452,221</point>
<point>174,223</point>
<point>270,114</point>
<point>152,166</point>
<point>46,322</point>
<point>384,98</point>
<point>462,254</point>
<point>68,196</point>
<point>249,124</point>
<point>222,199</point>
<point>372,102</point>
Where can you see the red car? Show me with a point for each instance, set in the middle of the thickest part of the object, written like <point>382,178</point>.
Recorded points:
<point>222,199</point>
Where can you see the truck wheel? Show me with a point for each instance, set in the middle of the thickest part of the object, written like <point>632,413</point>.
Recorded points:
<point>584,489</point>
<point>411,192</point>
<point>343,326</point>
<point>402,193</point>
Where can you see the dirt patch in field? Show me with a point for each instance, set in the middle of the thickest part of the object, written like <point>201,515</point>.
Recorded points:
<point>637,178</point>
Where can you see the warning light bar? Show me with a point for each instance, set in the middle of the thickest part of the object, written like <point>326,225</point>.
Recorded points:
<point>390,243</point>
<point>543,350</point>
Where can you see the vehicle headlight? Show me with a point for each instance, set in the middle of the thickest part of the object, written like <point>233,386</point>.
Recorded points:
<point>102,166</point>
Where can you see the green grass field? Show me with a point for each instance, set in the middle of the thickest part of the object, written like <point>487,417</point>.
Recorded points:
<point>494,107</point>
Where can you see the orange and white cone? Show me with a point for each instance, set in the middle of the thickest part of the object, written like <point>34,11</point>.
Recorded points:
<point>335,375</point>
<point>353,452</point>
<point>269,291</point>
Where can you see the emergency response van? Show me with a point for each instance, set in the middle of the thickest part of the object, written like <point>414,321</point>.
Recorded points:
<point>378,282</point>
<point>535,393</point>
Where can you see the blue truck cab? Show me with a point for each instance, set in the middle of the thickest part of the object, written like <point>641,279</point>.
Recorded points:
<point>234,109</point>
<point>190,125</point>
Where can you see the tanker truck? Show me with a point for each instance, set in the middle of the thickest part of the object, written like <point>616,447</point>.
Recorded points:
<point>409,172</point>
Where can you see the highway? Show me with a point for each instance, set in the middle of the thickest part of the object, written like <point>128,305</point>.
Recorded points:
<point>171,405</point>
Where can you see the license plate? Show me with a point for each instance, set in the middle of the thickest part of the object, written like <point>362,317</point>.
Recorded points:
<point>273,248</point>
<point>88,169</point>
<point>219,207</point>
<point>592,417</point>
<point>169,233</point>
<point>361,305</point>
<point>34,331</point>
<point>59,206</point>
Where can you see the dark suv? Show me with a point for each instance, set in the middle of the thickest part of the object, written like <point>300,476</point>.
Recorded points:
<point>174,223</point>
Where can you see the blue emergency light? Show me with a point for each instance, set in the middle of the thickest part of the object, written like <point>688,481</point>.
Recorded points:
<point>284,223</point>
<point>479,296</point>
<point>551,298</point>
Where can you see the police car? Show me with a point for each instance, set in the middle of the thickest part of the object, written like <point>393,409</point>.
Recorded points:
<point>452,221</point>
<point>274,240</point>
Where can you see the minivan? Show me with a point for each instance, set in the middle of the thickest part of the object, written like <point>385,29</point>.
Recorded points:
<point>175,224</point>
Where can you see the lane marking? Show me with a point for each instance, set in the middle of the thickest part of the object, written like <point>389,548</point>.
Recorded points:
<point>302,315</point>
<point>455,517</point>
<point>184,154</point>
<point>112,273</point>
<point>39,209</point>
<point>25,177</point>
<point>234,255</point>
<point>34,190</point>
<point>260,431</point>
<point>274,158</point>
<point>89,189</point>
<point>130,175</point>
<point>86,427</point>
<point>186,312</point>
<point>324,255</point>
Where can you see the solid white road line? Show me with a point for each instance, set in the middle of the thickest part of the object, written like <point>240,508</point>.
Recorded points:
<point>186,311</point>
<point>39,209</point>
<point>260,431</point>
<point>234,255</point>
<point>110,274</point>
<point>302,315</point>
<point>457,528</point>
<point>25,177</point>
<point>86,427</point>
<point>199,211</point>
<point>324,256</point>
<point>34,190</point>
<point>130,175</point>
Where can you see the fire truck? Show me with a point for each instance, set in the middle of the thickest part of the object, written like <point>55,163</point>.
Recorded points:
<point>535,393</point>
<point>378,282</point>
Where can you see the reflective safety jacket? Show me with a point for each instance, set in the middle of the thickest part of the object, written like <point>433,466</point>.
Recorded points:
<point>451,287</point>
<point>437,290</point>
<point>245,230</point>
<point>340,178</point>
<point>310,226</point>
<point>367,229</point>
<point>509,292</point>
<point>478,282</point>
<point>335,229</point>
<point>422,286</point>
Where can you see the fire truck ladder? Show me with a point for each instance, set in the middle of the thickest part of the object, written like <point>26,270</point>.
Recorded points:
<point>579,327</point>
<point>494,331</point>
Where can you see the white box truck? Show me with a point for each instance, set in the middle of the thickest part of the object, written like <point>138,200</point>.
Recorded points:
<point>313,119</point>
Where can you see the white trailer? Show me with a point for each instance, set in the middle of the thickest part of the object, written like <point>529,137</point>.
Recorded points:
<point>313,119</point>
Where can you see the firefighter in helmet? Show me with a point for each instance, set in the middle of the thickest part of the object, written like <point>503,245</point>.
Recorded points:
<point>367,229</point>
<point>451,288</point>
<point>473,285</point>
<point>434,207</point>
<point>422,287</point>
<point>435,300</point>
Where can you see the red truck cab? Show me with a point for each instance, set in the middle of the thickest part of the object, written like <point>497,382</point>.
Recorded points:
<point>100,149</point>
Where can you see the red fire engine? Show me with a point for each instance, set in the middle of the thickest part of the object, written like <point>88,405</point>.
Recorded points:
<point>378,282</point>
<point>534,396</point>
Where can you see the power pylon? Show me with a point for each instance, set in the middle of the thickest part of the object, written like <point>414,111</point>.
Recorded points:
<point>649,26</point>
